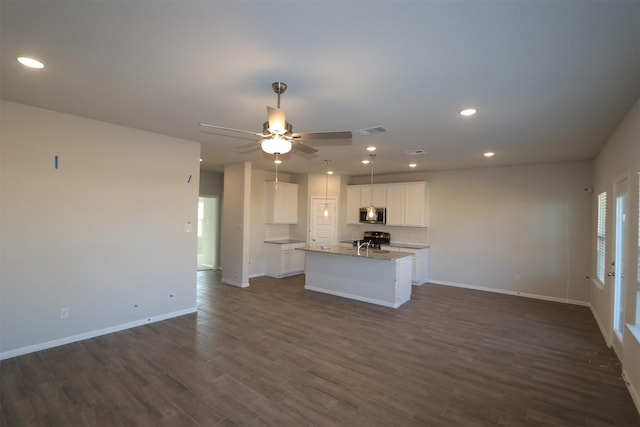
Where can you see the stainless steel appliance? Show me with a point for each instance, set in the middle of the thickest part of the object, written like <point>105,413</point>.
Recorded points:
<point>381,216</point>
<point>375,239</point>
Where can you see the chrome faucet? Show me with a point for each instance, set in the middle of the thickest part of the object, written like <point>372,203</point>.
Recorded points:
<point>366,243</point>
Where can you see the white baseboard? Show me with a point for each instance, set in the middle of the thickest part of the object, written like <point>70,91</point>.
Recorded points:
<point>606,335</point>
<point>507,292</point>
<point>234,283</point>
<point>92,334</point>
<point>354,297</point>
<point>635,395</point>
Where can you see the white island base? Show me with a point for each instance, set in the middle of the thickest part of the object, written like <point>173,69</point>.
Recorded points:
<point>374,280</point>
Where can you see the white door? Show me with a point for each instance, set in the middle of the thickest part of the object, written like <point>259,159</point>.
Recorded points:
<point>618,266</point>
<point>323,229</point>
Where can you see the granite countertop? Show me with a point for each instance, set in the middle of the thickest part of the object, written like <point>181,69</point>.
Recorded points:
<point>408,246</point>
<point>284,241</point>
<point>372,254</point>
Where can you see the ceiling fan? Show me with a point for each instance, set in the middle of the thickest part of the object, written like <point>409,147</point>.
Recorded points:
<point>277,136</point>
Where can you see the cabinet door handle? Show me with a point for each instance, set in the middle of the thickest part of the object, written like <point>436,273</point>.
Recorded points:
<point>611,274</point>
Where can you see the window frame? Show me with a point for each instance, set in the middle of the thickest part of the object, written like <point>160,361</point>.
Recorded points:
<point>601,238</point>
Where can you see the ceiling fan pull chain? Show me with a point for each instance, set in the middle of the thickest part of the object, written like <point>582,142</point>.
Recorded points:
<point>275,184</point>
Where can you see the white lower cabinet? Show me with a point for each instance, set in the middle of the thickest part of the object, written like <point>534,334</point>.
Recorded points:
<point>419,263</point>
<point>283,259</point>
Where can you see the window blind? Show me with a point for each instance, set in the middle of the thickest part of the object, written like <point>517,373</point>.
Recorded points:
<point>601,237</point>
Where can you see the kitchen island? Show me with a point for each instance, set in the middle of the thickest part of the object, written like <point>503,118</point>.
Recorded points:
<point>374,276</point>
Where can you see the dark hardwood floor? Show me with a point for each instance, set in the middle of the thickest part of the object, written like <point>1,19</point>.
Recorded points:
<point>276,355</point>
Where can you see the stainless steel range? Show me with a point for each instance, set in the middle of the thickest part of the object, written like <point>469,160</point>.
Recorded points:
<point>375,239</point>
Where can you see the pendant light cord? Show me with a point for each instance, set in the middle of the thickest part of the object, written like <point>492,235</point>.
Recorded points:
<point>372,156</point>
<point>326,183</point>
<point>277,162</point>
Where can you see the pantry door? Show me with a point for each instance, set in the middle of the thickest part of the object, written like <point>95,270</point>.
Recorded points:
<point>323,230</point>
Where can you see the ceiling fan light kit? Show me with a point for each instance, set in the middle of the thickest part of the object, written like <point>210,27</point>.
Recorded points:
<point>276,145</point>
<point>277,135</point>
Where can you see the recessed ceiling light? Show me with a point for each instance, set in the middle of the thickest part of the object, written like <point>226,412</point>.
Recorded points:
<point>277,161</point>
<point>489,154</point>
<point>365,162</point>
<point>30,62</point>
<point>468,112</point>
<point>200,160</point>
<point>371,148</point>
<point>329,172</point>
<point>412,165</point>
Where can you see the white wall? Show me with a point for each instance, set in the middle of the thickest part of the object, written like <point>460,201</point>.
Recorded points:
<point>521,229</point>
<point>211,183</point>
<point>103,235</point>
<point>620,157</point>
<point>301,229</point>
<point>518,229</point>
<point>236,214</point>
<point>258,218</point>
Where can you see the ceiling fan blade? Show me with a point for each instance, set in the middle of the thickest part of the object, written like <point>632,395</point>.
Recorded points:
<point>277,120</point>
<point>324,138</point>
<point>250,145</point>
<point>304,148</point>
<point>252,150</point>
<point>324,135</point>
<point>231,129</point>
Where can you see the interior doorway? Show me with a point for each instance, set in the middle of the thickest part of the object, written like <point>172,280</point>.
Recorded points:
<point>208,233</point>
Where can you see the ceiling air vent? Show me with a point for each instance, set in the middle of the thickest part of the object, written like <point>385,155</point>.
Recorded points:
<point>371,131</point>
<point>415,152</point>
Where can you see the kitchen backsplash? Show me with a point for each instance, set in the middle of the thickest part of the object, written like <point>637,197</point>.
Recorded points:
<point>412,235</point>
<point>276,231</point>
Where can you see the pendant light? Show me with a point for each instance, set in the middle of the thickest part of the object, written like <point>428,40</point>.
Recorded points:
<point>325,212</point>
<point>371,210</point>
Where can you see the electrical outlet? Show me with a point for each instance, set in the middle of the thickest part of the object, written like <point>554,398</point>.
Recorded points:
<point>64,313</point>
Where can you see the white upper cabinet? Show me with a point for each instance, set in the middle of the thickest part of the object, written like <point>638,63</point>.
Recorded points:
<point>360,196</point>
<point>407,203</point>
<point>282,204</point>
<point>395,204</point>
<point>416,204</point>
<point>353,204</point>
<point>377,195</point>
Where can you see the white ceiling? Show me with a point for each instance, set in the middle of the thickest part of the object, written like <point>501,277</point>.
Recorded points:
<point>550,79</point>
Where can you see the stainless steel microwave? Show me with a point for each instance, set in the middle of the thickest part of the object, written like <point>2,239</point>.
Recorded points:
<point>381,216</point>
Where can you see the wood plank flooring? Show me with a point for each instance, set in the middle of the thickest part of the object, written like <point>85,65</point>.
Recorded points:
<point>274,354</point>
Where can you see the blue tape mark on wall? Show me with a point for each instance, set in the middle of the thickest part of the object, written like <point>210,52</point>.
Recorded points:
<point>55,161</point>
<point>189,180</point>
